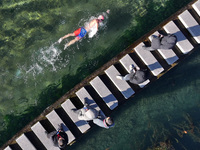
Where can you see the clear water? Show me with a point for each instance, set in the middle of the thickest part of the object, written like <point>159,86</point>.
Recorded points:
<point>35,71</point>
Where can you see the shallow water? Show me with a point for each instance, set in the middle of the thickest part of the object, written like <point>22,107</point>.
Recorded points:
<point>35,71</point>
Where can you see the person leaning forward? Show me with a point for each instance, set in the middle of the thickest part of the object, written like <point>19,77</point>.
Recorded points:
<point>88,113</point>
<point>103,121</point>
<point>59,137</point>
<point>162,42</point>
<point>136,75</point>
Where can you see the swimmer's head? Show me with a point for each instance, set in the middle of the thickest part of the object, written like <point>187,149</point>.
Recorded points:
<point>100,18</point>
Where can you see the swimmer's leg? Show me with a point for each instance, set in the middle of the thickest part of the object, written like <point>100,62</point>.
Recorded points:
<point>71,42</point>
<point>66,36</point>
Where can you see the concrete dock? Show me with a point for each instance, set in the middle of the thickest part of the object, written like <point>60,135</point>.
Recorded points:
<point>103,91</point>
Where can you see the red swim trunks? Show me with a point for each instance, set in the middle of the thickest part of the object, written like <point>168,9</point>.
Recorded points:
<point>79,33</point>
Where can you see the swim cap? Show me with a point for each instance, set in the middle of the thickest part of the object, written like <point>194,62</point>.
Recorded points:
<point>101,17</point>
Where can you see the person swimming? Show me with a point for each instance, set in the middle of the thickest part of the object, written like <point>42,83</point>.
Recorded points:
<point>91,28</point>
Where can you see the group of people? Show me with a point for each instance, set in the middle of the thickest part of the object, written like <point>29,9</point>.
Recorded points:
<point>87,113</point>
<point>135,76</point>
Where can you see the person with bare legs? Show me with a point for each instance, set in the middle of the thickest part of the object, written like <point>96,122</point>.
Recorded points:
<point>81,32</point>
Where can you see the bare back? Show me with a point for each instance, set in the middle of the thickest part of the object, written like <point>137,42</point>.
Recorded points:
<point>92,24</point>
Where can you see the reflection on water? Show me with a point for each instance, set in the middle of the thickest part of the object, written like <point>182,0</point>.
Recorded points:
<point>36,71</point>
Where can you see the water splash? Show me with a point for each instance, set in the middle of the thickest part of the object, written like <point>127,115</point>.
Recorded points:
<point>35,69</point>
<point>42,59</point>
<point>49,56</point>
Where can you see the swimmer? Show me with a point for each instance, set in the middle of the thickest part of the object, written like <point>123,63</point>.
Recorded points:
<point>81,32</point>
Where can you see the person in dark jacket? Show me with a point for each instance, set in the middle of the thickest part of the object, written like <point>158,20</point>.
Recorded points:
<point>59,137</point>
<point>136,76</point>
<point>162,42</point>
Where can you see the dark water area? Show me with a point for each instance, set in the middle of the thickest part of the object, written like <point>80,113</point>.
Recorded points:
<point>157,117</point>
<point>35,71</point>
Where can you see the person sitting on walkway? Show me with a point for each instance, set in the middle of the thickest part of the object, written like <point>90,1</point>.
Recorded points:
<point>162,42</point>
<point>136,76</point>
<point>86,113</point>
<point>59,137</point>
<point>103,121</point>
<point>81,32</point>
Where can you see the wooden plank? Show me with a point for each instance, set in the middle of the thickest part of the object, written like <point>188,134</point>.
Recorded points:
<point>169,55</point>
<point>82,125</point>
<point>39,131</point>
<point>149,60</point>
<point>126,61</point>
<point>191,24</point>
<point>55,120</point>
<point>196,7</point>
<point>24,143</point>
<point>182,42</point>
<point>104,92</point>
<point>121,85</point>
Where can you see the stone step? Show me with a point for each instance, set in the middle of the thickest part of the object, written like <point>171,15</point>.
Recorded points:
<point>182,42</point>
<point>82,125</point>
<point>84,96</point>
<point>196,7</point>
<point>126,61</point>
<point>149,60</point>
<point>169,55</point>
<point>190,24</point>
<point>121,85</point>
<point>24,143</point>
<point>54,119</point>
<point>104,93</point>
<point>39,131</point>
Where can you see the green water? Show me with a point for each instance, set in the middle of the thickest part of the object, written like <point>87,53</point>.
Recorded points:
<point>35,71</point>
<point>160,113</point>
